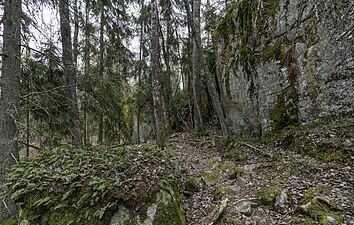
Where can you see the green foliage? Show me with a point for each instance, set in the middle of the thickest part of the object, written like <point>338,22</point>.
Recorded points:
<point>42,84</point>
<point>10,221</point>
<point>326,140</point>
<point>89,183</point>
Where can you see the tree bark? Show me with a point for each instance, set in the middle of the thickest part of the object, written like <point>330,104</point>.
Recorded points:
<point>69,71</point>
<point>76,33</point>
<point>211,84</point>
<point>197,68</point>
<point>156,76</point>
<point>86,70</point>
<point>10,100</point>
<point>100,116</point>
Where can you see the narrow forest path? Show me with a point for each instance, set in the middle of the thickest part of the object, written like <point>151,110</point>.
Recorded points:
<point>264,184</point>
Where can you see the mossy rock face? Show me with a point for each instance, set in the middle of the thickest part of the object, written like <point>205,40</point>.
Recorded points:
<point>10,221</point>
<point>166,210</point>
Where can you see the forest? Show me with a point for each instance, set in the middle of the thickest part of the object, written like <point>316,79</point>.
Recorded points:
<point>119,112</point>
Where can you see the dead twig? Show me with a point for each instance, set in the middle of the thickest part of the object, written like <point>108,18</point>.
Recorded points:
<point>257,149</point>
<point>215,214</point>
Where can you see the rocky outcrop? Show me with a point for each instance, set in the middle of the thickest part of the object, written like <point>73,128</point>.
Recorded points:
<point>284,63</point>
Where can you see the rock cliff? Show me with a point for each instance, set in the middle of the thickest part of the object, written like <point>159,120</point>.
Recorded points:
<point>281,63</point>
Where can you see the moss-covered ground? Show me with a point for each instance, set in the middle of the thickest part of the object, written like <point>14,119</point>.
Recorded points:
<point>65,185</point>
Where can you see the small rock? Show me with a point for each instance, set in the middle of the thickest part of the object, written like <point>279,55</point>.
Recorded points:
<point>248,169</point>
<point>331,220</point>
<point>244,208</point>
<point>281,199</point>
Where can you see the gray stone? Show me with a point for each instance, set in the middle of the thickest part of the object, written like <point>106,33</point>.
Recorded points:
<point>245,208</point>
<point>281,200</point>
<point>331,220</point>
<point>167,198</point>
<point>323,55</point>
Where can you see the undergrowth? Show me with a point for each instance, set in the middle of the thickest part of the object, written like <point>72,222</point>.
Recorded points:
<point>328,140</point>
<point>89,182</point>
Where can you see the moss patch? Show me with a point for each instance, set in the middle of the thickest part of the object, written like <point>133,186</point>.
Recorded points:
<point>10,221</point>
<point>170,210</point>
<point>285,112</point>
<point>320,208</point>
<point>214,162</point>
<point>211,177</point>
<point>327,140</point>
<point>191,185</point>
<point>222,192</point>
<point>269,196</point>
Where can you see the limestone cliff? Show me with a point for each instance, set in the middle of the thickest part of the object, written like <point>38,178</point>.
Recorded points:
<point>282,62</point>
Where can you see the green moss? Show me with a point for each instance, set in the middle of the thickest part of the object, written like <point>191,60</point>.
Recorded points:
<point>170,208</point>
<point>211,177</point>
<point>319,208</point>
<point>222,192</point>
<point>268,53</point>
<point>272,7</point>
<point>269,196</point>
<point>10,221</point>
<point>312,192</point>
<point>214,162</point>
<point>285,112</point>
<point>271,52</point>
<point>191,185</point>
<point>227,167</point>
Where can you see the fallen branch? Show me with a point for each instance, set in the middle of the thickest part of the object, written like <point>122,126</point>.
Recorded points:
<point>257,149</point>
<point>215,214</point>
<point>29,145</point>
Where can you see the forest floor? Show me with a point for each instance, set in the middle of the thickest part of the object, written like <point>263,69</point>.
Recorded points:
<point>264,183</point>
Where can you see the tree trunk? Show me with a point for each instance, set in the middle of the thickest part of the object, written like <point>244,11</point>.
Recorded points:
<point>76,33</point>
<point>215,99</point>
<point>86,70</point>
<point>156,76</point>
<point>100,116</point>
<point>69,72</point>
<point>10,100</point>
<point>197,68</point>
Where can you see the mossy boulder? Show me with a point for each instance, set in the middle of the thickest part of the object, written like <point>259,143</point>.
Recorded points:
<point>89,186</point>
<point>167,209</point>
